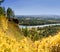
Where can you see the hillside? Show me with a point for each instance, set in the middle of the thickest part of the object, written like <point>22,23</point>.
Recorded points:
<point>10,28</point>
<point>49,44</point>
<point>12,40</point>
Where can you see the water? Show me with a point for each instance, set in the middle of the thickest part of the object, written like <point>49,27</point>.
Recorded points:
<point>22,26</point>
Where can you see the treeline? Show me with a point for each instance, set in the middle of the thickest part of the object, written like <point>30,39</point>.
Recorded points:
<point>9,12</point>
<point>39,33</point>
<point>38,22</point>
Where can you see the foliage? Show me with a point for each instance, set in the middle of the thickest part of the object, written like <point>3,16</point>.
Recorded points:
<point>39,33</point>
<point>25,31</point>
<point>10,13</point>
<point>2,11</point>
<point>33,22</point>
<point>15,20</point>
<point>10,44</point>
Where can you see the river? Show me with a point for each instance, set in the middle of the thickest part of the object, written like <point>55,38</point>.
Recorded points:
<point>22,26</point>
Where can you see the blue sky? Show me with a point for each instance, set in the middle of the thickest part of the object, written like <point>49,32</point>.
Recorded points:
<point>34,7</point>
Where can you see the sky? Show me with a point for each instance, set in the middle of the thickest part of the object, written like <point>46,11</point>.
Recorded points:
<point>33,7</point>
